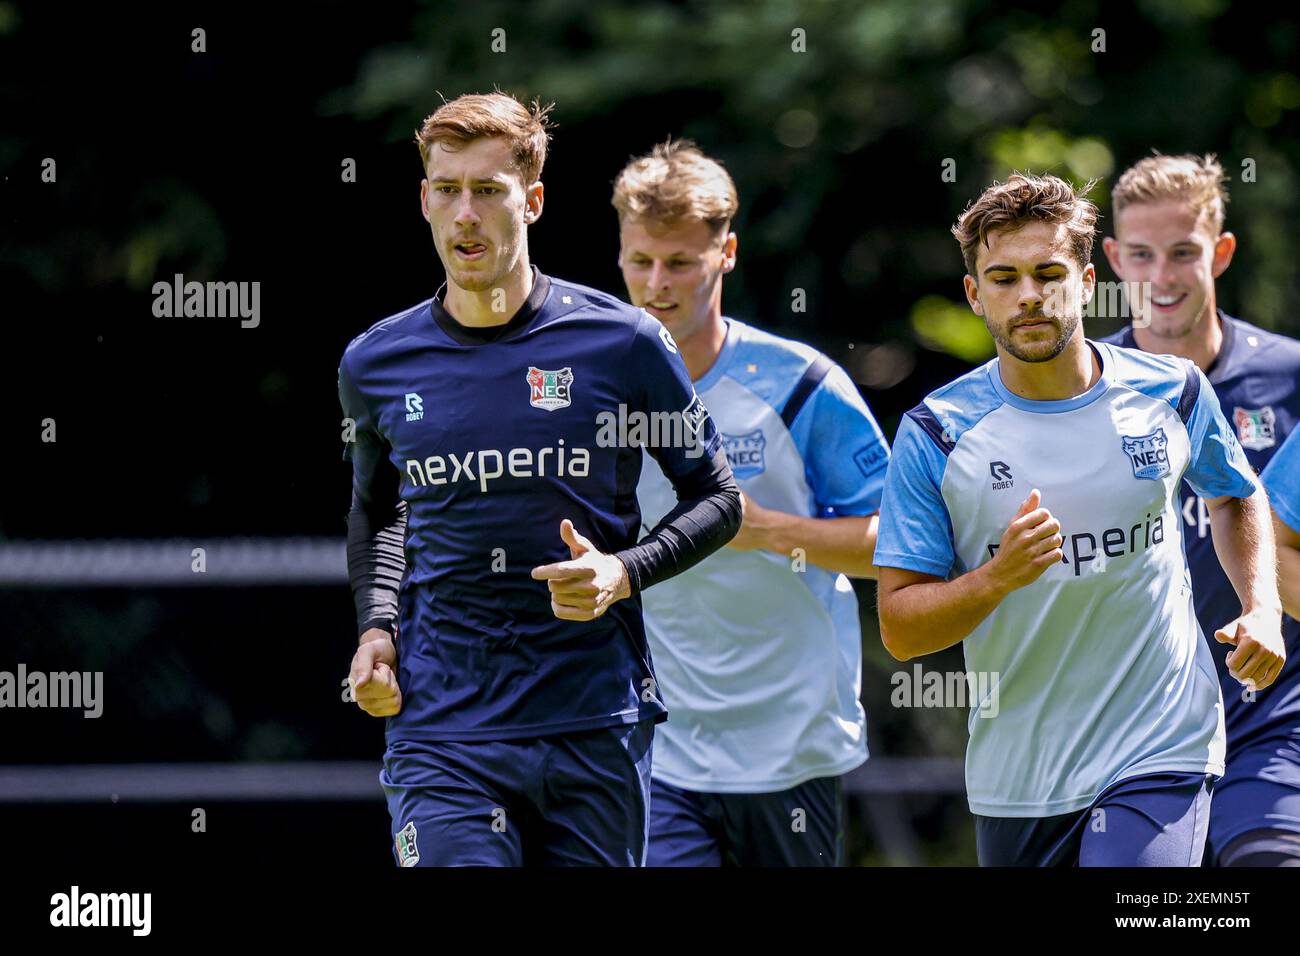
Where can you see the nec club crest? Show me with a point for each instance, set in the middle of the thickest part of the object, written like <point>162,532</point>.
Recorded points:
<point>1255,427</point>
<point>550,390</point>
<point>1148,454</point>
<point>745,453</point>
<point>408,852</point>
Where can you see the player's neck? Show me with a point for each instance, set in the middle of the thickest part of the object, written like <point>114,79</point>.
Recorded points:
<point>1071,373</point>
<point>701,350</point>
<point>475,308</point>
<point>1201,344</point>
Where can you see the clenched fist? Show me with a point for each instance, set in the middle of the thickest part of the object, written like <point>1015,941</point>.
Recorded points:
<point>373,677</point>
<point>1259,651</point>
<point>1030,545</point>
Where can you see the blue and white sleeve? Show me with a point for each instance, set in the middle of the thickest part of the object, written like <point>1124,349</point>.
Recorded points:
<point>845,454</point>
<point>1281,479</point>
<point>1217,465</point>
<point>915,527</point>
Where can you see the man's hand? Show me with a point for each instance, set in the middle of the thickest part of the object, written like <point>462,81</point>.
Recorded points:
<point>1260,651</point>
<point>584,587</point>
<point>1030,545</point>
<point>373,677</point>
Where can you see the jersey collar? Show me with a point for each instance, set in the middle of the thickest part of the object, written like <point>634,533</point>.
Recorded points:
<point>466,335</point>
<point>720,364</point>
<point>1059,405</point>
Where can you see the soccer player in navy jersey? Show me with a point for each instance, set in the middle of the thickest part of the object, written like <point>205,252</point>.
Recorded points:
<point>492,540</point>
<point>1169,214</point>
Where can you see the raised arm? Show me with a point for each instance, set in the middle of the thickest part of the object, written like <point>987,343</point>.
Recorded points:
<point>922,613</point>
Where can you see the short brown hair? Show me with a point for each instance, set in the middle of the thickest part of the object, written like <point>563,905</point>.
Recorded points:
<point>676,181</point>
<point>1026,198</point>
<point>481,115</point>
<point>1196,179</point>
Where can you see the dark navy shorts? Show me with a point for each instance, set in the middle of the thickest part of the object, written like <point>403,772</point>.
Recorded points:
<point>575,799</point>
<point>802,826</point>
<point>1158,819</point>
<point>1260,791</point>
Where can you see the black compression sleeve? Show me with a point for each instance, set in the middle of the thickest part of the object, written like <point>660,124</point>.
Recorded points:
<point>707,516</point>
<point>376,563</point>
<point>377,519</point>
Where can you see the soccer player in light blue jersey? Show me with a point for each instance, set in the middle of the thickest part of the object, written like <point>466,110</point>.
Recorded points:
<point>758,649</point>
<point>1168,218</point>
<point>1031,512</point>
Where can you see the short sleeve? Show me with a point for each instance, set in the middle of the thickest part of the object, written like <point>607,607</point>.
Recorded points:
<point>1217,465</point>
<point>662,390</point>
<point>845,455</point>
<point>915,528</point>
<point>1281,479</point>
<point>368,451</point>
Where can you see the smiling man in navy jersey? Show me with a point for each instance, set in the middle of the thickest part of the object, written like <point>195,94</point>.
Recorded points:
<point>1169,213</point>
<point>492,541</point>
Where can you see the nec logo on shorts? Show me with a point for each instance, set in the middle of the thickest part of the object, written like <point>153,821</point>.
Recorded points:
<point>550,390</point>
<point>1148,454</point>
<point>408,852</point>
<point>745,453</point>
<point>1000,472</point>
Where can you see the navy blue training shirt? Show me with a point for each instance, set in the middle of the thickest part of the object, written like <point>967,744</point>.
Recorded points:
<point>491,437</point>
<point>1257,379</point>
